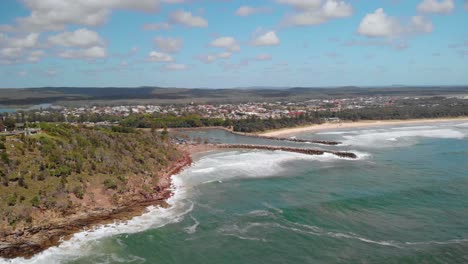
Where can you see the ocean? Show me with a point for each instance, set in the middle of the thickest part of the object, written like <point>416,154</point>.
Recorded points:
<point>404,200</point>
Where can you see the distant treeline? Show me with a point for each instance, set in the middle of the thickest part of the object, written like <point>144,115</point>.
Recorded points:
<point>155,95</point>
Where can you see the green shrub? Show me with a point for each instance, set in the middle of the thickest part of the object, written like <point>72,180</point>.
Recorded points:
<point>78,191</point>
<point>11,200</point>
<point>35,201</point>
<point>110,184</point>
<point>5,158</point>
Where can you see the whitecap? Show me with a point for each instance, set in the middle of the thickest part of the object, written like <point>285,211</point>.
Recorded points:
<point>85,242</point>
<point>193,228</point>
<point>378,139</point>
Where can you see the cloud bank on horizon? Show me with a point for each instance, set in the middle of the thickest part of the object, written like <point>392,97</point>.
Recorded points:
<point>229,43</point>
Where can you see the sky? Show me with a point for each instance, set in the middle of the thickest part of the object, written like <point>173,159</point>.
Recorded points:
<point>229,43</point>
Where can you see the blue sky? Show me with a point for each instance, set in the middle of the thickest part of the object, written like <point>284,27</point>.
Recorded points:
<point>216,43</point>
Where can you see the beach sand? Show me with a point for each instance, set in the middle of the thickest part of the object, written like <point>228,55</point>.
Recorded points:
<point>359,124</point>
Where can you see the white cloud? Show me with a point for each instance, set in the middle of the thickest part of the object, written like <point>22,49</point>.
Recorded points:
<point>79,38</point>
<point>57,14</point>
<point>420,24</point>
<point>159,57</point>
<point>314,12</point>
<point>393,43</point>
<point>36,55</point>
<point>379,24</point>
<point>267,39</point>
<point>10,53</point>
<point>209,58</point>
<point>436,6</point>
<point>175,67</point>
<point>263,57</point>
<point>187,19</point>
<point>248,10</point>
<point>337,9</point>
<point>302,4</point>
<point>95,52</point>
<point>170,45</point>
<point>14,49</point>
<point>157,26</point>
<point>228,43</point>
<point>224,55</point>
<point>28,41</point>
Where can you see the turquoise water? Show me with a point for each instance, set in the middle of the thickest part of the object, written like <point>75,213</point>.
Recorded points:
<point>7,110</point>
<point>404,201</point>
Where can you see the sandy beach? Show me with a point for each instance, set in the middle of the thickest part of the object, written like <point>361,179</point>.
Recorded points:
<point>359,124</point>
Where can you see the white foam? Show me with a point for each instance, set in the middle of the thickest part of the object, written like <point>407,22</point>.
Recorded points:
<point>193,228</point>
<point>333,133</point>
<point>244,164</point>
<point>83,243</point>
<point>388,138</point>
<point>211,168</point>
<point>413,127</point>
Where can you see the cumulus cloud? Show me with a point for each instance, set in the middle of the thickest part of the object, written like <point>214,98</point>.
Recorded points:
<point>209,58</point>
<point>57,14</point>
<point>157,26</point>
<point>268,38</point>
<point>175,67</point>
<point>169,45</point>
<point>436,6</point>
<point>302,4</point>
<point>314,12</point>
<point>187,19</point>
<point>228,43</point>
<point>379,24</point>
<point>14,49</point>
<point>78,38</point>
<point>249,10</point>
<point>155,56</point>
<point>263,57</point>
<point>95,52</point>
<point>35,55</point>
<point>27,41</point>
<point>224,55</point>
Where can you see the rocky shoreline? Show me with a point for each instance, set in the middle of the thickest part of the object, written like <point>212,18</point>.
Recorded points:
<point>307,151</point>
<point>30,241</point>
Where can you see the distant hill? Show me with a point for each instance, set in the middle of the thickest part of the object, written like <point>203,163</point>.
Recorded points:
<point>158,95</point>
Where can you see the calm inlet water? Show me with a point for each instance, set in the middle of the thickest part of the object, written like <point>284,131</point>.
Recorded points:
<point>404,201</point>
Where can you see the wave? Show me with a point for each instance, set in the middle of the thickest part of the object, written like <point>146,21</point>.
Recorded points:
<point>83,243</point>
<point>238,164</point>
<point>210,168</point>
<point>388,138</point>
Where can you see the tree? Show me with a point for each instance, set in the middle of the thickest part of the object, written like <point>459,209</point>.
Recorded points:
<point>10,124</point>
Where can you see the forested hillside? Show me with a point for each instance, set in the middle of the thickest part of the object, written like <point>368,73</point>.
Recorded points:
<point>67,169</point>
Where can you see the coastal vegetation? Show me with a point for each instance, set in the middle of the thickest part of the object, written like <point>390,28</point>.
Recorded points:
<point>67,169</point>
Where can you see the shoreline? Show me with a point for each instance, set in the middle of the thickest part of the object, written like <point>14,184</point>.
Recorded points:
<point>346,125</point>
<point>30,241</point>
